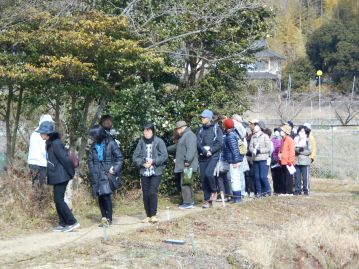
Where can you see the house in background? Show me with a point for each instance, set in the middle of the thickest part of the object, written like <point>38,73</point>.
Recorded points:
<point>267,67</point>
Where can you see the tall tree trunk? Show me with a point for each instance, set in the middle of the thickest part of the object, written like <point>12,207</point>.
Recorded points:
<point>17,121</point>
<point>57,114</point>
<point>84,128</point>
<point>74,122</point>
<point>9,100</point>
<point>193,73</point>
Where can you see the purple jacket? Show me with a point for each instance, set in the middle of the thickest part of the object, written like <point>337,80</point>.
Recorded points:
<point>276,144</point>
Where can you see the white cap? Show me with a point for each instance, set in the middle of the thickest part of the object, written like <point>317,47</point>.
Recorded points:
<point>45,117</point>
<point>308,125</point>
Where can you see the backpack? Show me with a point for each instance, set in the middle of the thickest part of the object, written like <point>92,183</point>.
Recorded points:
<point>73,156</point>
<point>242,144</point>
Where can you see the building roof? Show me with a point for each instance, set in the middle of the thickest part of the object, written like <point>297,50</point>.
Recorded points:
<point>269,54</point>
<point>262,76</point>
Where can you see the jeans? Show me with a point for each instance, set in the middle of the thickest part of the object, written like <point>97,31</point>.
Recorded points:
<point>287,180</point>
<point>105,203</point>
<point>302,171</point>
<point>261,177</point>
<point>224,185</point>
<point>150,187</point>
<point>63,211</point>
<point>208,180</point>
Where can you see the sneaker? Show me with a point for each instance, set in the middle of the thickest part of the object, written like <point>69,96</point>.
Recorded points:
<point>246,194</point>
<point>58,229</point>
<point>207,205</point>
<point>252,195</point>
<point>146,220</point>
<point>213,196</point>
<point>153,219</point>
<point>186,206</point>
<point>220,200</point>
<point>72,227</point>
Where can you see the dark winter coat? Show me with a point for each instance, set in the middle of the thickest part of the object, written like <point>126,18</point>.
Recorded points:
<point>211,136</point>
<point>99,170</point>
<point>230,148</point>
<point>159,155</point>
<point>186,151</point>
<point>59,166</point>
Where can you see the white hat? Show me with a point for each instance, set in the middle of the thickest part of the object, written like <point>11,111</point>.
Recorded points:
<point>45,117</point>
<point>308,125</point>
<point>253,121</point>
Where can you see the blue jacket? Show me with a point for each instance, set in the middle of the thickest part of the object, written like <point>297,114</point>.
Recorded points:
<point>230,149</point>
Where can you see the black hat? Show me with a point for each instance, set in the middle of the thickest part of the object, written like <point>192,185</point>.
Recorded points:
<point>150,126</point>
<point>46,127</point>
<point>97,132</point>
<point>291,124</point>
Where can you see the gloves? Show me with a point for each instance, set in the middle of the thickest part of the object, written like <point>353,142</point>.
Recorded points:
<point>258,151</point>
<point>301,149</point>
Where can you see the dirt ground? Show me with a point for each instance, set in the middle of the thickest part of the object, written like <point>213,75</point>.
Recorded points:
<point>319,231</point>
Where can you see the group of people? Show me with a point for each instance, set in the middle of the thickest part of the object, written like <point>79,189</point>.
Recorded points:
<point>233,158</point>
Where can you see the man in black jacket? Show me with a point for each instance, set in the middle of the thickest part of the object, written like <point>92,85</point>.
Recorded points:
<point>59,171</point>
<point>209,143</point>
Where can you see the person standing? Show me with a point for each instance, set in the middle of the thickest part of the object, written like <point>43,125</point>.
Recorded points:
<point>286,158</point>
<point>275,167</point>
<point>37,155</point>
<point>59,171</point>
<point>209,143</point>
<point>150,156</point>
<point>249,175</point>
<point>186,157</point>
<point>232,155</point>
<point>241,131</point>
<point>104,160</point>
<point>302,151</point>
<point>172,151</point>
<point>260,146</point>
<point>312,142</point>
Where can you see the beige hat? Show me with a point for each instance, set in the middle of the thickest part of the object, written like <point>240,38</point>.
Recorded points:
<point>253,121</point>
<point>180,124</point>
<point>286,128</point>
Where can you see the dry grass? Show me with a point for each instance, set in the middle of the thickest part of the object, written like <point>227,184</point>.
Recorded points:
<point>321,231</point>
<point>26,210</point>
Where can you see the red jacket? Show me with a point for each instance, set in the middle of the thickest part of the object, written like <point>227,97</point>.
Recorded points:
<point>287,151</point>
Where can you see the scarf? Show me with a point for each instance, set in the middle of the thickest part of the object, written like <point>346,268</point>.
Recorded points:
<point>100,148</point>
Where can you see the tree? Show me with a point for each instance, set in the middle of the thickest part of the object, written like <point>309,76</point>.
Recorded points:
<point>334,47</point>
<point>301,72</point>
<point>82,59</point>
